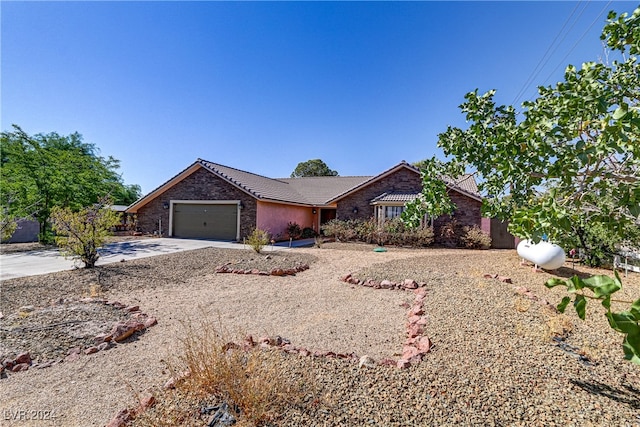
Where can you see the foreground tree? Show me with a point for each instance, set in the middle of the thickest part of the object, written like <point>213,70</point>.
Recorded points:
<point>80,233</point>
<point>569,160</point>
<point>315,167</point>
<point>43,171</point>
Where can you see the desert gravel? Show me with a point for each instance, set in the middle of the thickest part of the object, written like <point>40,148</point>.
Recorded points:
<point>494,360</point>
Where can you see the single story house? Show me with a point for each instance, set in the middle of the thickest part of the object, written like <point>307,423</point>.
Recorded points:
<point>212,201</point>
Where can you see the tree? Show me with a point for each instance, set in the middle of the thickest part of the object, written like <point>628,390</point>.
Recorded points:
<point>569,159</point>
<point>43,171</point>
<point>315,167</point>
<point>80,234</point>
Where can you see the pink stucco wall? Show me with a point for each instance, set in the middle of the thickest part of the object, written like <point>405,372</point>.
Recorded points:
<point>485,225</point>
<point>274,217</point>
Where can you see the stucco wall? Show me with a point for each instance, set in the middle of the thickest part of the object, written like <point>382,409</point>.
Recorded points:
<point>200,185</point>
<point>274,218</point>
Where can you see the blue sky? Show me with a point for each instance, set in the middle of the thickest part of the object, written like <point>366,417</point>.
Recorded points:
<point>261,86</point>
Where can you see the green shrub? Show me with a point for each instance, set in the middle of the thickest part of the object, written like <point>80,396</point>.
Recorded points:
<point>391,232</point>
<point>308,233</point>
<point>258,239</point>
<point>475,238</point>
<point>80,234</point>
<point>293,230</point>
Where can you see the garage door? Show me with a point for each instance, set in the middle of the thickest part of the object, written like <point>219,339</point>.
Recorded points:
<point>204,221</point>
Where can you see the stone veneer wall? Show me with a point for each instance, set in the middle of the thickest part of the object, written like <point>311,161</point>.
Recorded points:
<point>200,185</point>
<point>403,181</point>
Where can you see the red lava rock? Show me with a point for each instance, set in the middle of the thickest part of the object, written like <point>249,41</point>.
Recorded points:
<point>263,273</point>
<point>410,284</point>
<point>423,345</point>
<point>121,419</point>
<point>422,321</point>
<point>414,330</point>
<point>409,351</point>
<point>387,284</point>
<point>20,367</point>
<point>222,269</point>
<point>304,352</point>
<point>145,403</point>
<point>72,357</point>
<point>505,279</point>
<point>230,346</point>
<point>405,305</point>
<point>401,364</point>
<point>387,362</point>
<point>416,310</point>
<point>414,319</point>
<point>122,331</point>
<point>170,384</point>
<point>420,291</point>
<point>8,363</point>
<point>490,276</point>
<point>289,348</point>
<point>319,353</point>
<point>104,346</point>
<point>255,271</point>
<point>74,350</point>
<point>91,350</point>
<point>23,358</point>
<point>277,272</point>
<point>151,321</point>
<point>98,339</point>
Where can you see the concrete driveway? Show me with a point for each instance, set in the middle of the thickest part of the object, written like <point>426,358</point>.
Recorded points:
<point>49,261</point>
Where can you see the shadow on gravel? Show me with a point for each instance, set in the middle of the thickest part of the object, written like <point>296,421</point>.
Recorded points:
<point>132,248</point>
<point>570,272</point>
<point>630,396</point>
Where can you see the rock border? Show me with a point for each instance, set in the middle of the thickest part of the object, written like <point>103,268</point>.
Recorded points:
<point>417,343</point>
<point>273,272</point>
<point>120,331</point>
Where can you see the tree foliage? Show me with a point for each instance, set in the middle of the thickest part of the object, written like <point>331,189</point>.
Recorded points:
<point>44,171</point>
<point>79,234</point>
<point>566,165</point>
<point>314,167</point>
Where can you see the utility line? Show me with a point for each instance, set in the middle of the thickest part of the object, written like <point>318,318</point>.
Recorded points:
<point>551,50</point>
<point>579,40</point>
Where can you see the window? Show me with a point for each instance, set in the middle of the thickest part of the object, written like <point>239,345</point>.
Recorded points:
<point>391,212</point>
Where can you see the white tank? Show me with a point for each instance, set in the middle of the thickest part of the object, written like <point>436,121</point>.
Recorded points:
<point>543,254</point>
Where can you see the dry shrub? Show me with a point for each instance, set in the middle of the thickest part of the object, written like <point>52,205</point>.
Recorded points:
<point>475,238</point>
<point>557,325</point>
<point>250,380</point>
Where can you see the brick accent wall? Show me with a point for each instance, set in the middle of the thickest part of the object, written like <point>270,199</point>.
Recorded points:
<point>200,185</point>
<point>466,214</point>
<point>402,181</point>
<point>406,181</point>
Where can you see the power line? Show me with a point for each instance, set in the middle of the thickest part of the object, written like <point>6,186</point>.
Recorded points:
<point>551,50</point>
<point>579,40</point>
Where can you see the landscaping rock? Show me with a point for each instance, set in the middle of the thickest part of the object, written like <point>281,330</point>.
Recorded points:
<point>410,284</point>
<point>23,358</point>
<point>20,367</point>
<point>121,419</point>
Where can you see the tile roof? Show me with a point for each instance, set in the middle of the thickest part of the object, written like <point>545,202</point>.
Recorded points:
<point>395,197</point>
<point>320,189</point>
<point>313,191</point>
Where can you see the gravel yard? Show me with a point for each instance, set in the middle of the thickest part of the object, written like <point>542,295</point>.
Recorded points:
<point>499,358</point>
